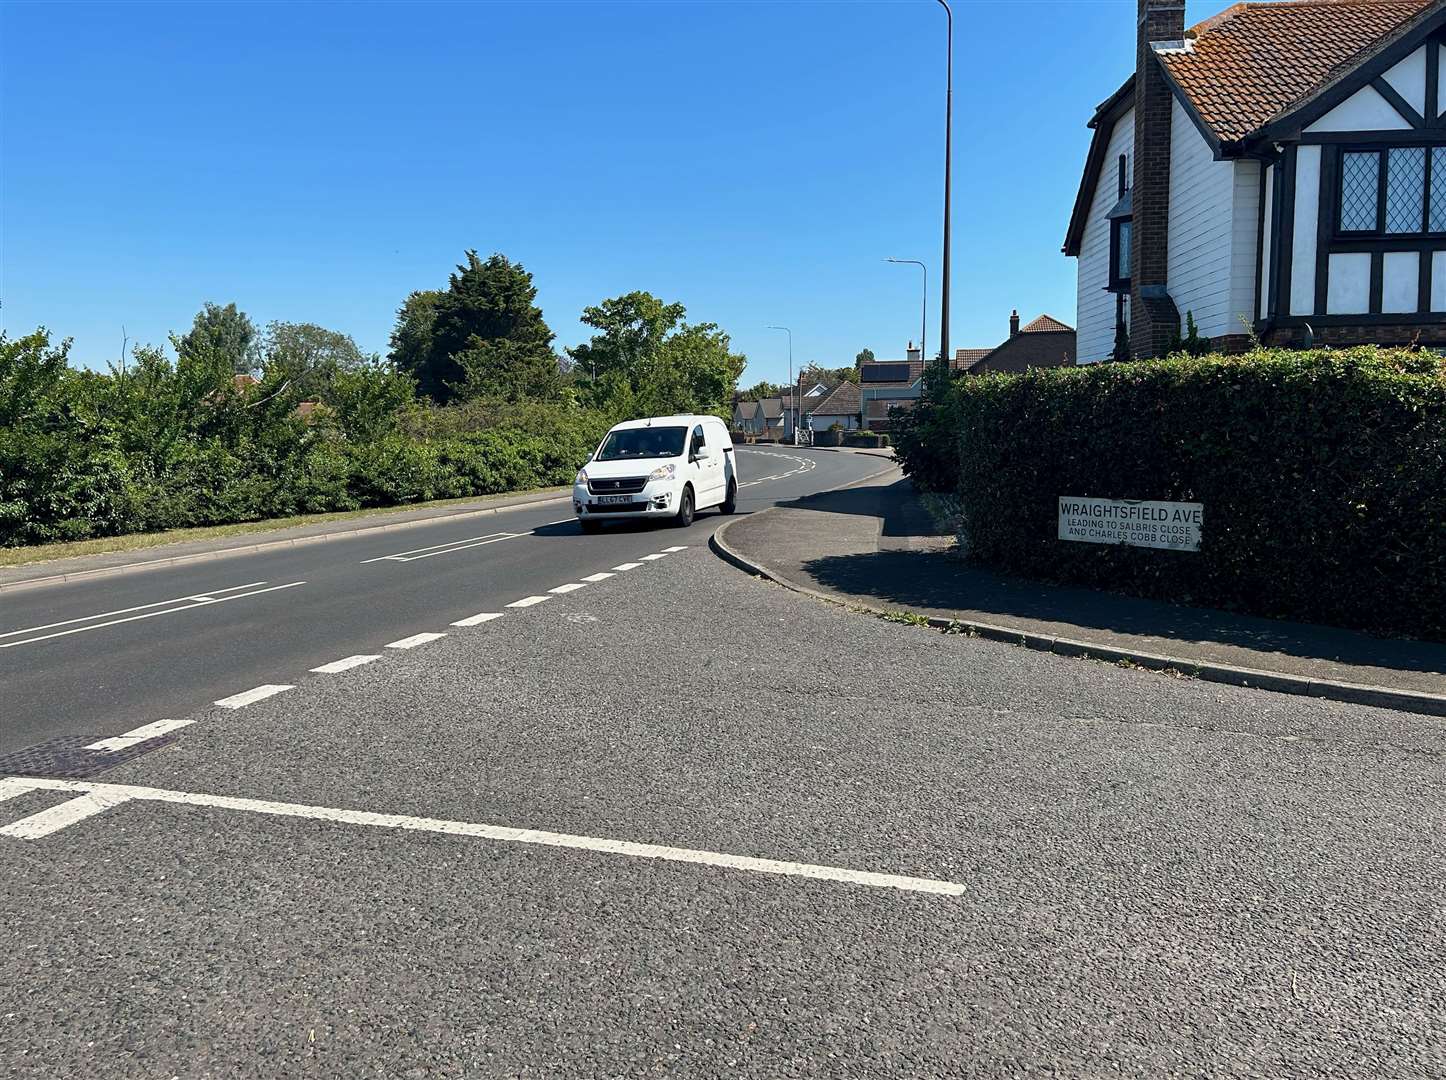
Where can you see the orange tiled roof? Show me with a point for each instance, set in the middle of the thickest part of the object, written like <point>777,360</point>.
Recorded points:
<point>1045,324</point>
<point>964,359</point>
<point>1253,61</point>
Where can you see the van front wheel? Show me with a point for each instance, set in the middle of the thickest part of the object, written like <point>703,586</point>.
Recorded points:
<point>684,517</point>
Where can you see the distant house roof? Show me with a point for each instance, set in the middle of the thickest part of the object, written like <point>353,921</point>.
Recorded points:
<point>772,408</point>
<point>964,359</point>
<point>1046,324</point>
<point>843,400</point>
<point>243,382</point>
<point>815,391</point>
<point>890,374</point>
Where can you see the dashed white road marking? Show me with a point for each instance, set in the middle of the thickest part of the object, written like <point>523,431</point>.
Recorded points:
<point>258,693</point>
<point>571,586</point>
<point>413,641</point>
<point>655,555</point>
<point>478,620</point>
<point>445,549</point>
<point>528,601</point>
<point>599,577</point>
<point>187,604</point>
<point>67,813</point>
<point>346,663</point>
<point>628,566</point>
<point>680,547</point>
<point>96,797</point>
<point>139,735</point>
<point>13,787</point>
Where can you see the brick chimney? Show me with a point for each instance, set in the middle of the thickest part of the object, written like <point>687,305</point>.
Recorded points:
<point>913,352</point>
<point>1154,320</point>
<point>1013,323</point>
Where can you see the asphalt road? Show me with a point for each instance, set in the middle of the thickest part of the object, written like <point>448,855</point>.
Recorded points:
<point>101,657</point>
<point>682,822</point>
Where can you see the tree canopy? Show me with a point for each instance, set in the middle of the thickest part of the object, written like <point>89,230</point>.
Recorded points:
<point>224,335</point>
<point>483,335</point>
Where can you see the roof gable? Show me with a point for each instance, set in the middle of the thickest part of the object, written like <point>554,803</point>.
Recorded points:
<point>843,400</point>
<point>1046,324</point>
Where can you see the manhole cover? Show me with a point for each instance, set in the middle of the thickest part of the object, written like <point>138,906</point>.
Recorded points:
<point>67,758</point>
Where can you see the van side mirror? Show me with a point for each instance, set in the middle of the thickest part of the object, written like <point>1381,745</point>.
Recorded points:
<point>702,453</point>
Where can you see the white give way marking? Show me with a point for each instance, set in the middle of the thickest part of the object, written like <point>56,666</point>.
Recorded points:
<point>91,799</point>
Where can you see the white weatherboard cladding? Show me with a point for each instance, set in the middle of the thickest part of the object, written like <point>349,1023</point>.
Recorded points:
<point>1349,290</point>
<point>1095,308</point>
<point>1408,78</point>
<point>1438,281</point>
<point>1262,308</point>
<point>1212,232</point>
<point>1400,281</point>
<point>1302,256</point>
<point>1365,110</point>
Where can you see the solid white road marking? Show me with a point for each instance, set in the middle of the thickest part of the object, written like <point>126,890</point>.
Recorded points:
<point>599,577</point>
<point>258,693</point>
<point>10,787</point>
<point>655,555</point>
<point>528,601</point>
<point>444,549</point>
<point>113,794</point>
<point>478,620</point>
<point>680,547</point>
<point>628,566</point>
<point>571,586</point>
<point>125,611</point>
<point>148,615</point>
<point>413,641</point>
<point>559,521</point>
<point>67,813</point>
<point>139,735</point>
<point>346,663</point>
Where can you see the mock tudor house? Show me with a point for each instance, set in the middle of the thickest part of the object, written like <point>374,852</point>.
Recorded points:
<point>1277,169</point>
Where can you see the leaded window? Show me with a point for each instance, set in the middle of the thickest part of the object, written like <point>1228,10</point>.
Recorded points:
<point>1394,191</point>
<point>1360,184</point>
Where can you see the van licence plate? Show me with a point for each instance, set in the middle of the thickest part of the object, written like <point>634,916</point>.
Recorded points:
<point>614,498</point>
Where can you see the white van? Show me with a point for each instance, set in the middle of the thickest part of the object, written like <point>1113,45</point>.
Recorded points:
<point>666,466</point>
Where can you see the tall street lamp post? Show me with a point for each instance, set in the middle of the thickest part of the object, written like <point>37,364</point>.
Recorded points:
<point>924,316</point>
<point>797,404</point>
<point>948,157</point>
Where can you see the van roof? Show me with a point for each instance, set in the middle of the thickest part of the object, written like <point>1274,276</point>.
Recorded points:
<point>665,421</point>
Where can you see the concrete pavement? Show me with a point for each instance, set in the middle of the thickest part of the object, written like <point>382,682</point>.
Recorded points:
<point>1161,878</point>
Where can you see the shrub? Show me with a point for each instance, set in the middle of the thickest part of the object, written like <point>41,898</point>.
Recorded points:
<point>1322,474</point>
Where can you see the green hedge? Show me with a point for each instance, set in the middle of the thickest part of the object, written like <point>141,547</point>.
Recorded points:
<point>1322,474</point>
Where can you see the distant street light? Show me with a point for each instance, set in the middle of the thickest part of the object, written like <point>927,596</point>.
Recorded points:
<point>924,317</point>
<point>798,404</point>
<point>948,156</point>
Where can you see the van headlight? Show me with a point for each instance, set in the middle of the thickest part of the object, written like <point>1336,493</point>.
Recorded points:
<point>663,472</point>
<point>581,478</point>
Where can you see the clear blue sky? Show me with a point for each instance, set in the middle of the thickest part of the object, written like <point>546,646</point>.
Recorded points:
<point>756,161</point>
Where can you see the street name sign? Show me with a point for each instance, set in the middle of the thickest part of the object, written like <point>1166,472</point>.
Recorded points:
<point>1174,526</point>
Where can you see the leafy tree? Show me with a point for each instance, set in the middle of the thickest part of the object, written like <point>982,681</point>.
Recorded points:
<point>308,358</point>
<point>865,356</point>
<point>761,390</point>
<point>222,333</point>
<point>646,361</point>
<point>815,373</point>
<point>31,371</point>
<point>487,316</point>
<point>368,398</point>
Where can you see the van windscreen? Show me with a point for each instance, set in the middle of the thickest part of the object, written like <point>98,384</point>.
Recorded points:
<point>650,442</point>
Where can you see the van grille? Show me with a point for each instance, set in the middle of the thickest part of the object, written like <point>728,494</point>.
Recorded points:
<point>627,485</point>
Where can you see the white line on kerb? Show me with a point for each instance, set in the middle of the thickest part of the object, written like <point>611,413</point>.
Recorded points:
<point>258,693</point>
<point>413,641</point>
<point>205,601</point>
<point>478,620</point>
<point>655,555</point>
<point>571,586</point>
<point>528,601</point>
<point>603,576</point>
<point>628,566</point>
<point>139,735</point>
<point>113,794</point>
<point>346,663</point>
